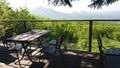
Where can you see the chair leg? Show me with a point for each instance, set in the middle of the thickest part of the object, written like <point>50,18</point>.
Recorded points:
<point>18,59</point>
<point>6,53</point>
<point>39,56</point>
<point>52,56</point>
<point>30,45</point>
<point>61,54</point>
<point>5,58</point>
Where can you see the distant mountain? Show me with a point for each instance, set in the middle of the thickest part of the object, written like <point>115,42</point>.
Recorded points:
<point>48,13</point>
<point>75,15</point>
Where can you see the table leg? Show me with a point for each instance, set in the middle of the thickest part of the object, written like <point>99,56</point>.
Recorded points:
<point>25,51</point>
<point>40,42</point>
<point>24,47</point>
<point>21,58</point>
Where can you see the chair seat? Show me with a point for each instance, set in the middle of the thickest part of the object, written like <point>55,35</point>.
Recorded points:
<point>15,48</point>
<point>52,42</point>
<point>48,49</point>
<point>113,51</point>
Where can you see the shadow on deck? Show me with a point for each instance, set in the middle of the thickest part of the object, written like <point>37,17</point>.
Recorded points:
<point>72,59</point>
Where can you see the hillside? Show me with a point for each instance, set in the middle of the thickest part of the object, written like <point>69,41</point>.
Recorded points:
<point>75,15</point>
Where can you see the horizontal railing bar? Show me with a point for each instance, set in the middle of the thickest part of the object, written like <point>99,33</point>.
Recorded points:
<point>19,20</point>
<point>90,28</point>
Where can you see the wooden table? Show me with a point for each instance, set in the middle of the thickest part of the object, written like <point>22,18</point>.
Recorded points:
<point>26,38</point>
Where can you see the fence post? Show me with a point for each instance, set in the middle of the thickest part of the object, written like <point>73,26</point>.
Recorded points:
<point>25,26</point>
<point>90,35</point>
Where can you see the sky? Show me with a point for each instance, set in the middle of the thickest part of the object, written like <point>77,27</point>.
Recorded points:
<point>78,6</point>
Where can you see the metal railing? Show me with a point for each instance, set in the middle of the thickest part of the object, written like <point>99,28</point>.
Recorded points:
<point>90,25</point>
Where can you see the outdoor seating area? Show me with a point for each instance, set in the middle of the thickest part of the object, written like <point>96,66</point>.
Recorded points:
<point>50,55</point>
<point>31,50</point>
<point>59,34</point>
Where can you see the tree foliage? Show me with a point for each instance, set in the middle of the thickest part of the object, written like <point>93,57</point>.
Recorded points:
<point>95,3</point>
<point>8,13</point>
<point>61,2</point>
<point>99,3</point>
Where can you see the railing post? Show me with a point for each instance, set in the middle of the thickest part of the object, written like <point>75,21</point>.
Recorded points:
<point>90,35</point>
<point>25,26</point>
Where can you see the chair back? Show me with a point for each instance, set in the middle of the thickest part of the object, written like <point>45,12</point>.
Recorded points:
<point>100,46</point>
<point>9,33</point>
<point>61,39</point>
<point>3,39</point>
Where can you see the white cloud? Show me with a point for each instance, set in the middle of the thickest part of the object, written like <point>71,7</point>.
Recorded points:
<point>31,4</point>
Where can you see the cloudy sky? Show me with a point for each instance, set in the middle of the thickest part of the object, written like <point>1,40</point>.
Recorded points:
<point>78,6</point>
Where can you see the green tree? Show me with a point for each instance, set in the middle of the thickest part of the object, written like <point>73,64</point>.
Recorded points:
<point>7,13</point>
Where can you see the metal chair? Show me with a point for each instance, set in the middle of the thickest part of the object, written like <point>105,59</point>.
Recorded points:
<point>9,33</point>
<point>109,60</point>
<point>51,51</point>
<point>111,51</point>
<point>53,42</point>
<point>14,48</point>
<point>102,54</point>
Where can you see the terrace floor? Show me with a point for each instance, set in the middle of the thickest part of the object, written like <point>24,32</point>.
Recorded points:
<point>72,59</point>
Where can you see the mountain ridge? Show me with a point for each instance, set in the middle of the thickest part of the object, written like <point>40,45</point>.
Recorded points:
<point>45,12</point>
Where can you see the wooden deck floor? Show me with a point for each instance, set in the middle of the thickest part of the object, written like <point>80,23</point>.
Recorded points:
<point>72,59</point>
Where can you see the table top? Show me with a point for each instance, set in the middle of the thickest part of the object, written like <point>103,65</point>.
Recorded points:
<point>29,36</point>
